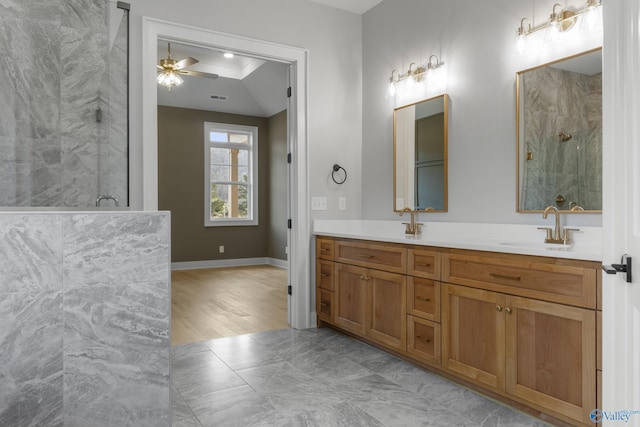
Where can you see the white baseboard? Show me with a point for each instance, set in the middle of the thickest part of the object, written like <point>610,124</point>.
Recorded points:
<point>240,262</point>
<point>282,263</point>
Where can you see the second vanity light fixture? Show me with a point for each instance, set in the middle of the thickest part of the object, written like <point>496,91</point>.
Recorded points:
<point>416,76</point>
<point>560,21</point>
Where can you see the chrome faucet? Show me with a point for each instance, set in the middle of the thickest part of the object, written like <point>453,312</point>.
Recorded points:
<point>558,235</point>
<point>412,227</point>
<point>106,197</point>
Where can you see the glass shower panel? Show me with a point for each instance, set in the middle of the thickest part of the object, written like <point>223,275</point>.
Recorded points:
<point>564,173</point>
<point>64,115</point>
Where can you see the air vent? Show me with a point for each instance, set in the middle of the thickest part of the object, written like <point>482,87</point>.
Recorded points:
<point>219,97</point>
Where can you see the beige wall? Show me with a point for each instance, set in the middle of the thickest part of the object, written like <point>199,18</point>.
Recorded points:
<point>181,188</point>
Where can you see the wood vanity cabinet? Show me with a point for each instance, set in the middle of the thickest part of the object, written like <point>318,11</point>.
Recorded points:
<point>522,327</point>
<point>368,301</point>
<point>543,353</point>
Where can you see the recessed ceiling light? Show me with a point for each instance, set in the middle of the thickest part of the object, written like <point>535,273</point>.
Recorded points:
<point>228,55</point>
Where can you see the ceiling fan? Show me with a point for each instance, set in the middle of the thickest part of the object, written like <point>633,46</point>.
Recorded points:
<point>170,70</point>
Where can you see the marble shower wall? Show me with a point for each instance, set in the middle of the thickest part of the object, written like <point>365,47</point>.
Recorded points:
<point>59,66</point>
<point>561,101</point>
<point>85,314</point>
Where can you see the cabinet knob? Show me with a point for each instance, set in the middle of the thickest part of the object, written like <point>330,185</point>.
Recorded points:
<point>507,310</point>
<point>498,308</point>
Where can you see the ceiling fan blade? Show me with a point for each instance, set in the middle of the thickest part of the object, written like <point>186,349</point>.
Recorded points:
<point>186,62</point>
<point>199,74</point>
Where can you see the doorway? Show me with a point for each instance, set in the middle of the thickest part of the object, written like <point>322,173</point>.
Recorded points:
<point>299,238</point>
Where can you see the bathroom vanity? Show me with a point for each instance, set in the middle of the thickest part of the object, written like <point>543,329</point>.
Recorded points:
<point>516,319</point>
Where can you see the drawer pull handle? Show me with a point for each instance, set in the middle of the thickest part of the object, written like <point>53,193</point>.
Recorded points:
<point>507,310</point>
<point>498,308</point>
<point>324,304</point>
<point>364,277</point>
<point>425,264</point>
<point>503,276</point>
<point>324,249</point>
<point>324,275</point>
<point>427,340</point>
<point>423,299</point>
<point>364,256</point>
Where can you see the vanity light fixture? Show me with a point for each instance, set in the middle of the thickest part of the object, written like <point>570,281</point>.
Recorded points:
<point>416,75</point>
<point>560,21</point>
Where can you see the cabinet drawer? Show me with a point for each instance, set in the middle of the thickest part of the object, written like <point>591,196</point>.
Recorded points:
<point>381,257</point>
<point>423,263</point>
<point>324,274</point>
<point>523,276</point>
<point>423,340</point>
<point>324,305</point>
<point>423,298</point>
<point>324,248</point>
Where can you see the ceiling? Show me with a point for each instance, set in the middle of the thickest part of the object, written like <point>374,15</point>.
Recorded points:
<point>356,6</point>
<point>245,85</point>
<point>251,86</point>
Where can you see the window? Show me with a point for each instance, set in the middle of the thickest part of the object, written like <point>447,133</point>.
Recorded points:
<point>231,175</point>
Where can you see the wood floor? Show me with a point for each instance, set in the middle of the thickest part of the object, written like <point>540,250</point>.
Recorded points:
<point>223,302</point>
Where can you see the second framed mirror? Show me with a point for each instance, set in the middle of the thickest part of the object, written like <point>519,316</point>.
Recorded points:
<point>420,170</point>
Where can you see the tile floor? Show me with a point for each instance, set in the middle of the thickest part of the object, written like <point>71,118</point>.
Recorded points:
<point>318,377</point>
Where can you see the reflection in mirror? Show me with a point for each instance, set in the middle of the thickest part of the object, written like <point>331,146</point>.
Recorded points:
<point>64,113</point>
<point>559,135</point>
<point>420,155</point>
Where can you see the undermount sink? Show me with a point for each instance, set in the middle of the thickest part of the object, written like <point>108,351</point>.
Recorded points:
<point>536,245</point>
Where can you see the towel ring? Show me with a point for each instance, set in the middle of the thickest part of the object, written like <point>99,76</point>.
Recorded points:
<point>338,174</point>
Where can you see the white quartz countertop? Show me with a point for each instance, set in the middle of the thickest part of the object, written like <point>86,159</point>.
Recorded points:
<point>586,244</point>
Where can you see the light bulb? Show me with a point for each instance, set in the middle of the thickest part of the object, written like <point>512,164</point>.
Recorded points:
<point>391,91</point>
<point>590,18</point>
<point>521,43</point>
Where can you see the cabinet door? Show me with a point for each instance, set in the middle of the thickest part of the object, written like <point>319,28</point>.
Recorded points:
<point>350,298</point>
<point>423,339</point>
<point>324,274</point>
<point>473,334</point>
<point>423,298</point>
<point>324,305</point>
<point>324,248</point>
<point>387,308</point>
<point>551,356</point>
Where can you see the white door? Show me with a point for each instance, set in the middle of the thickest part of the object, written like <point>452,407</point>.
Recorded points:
<point>621,213</point>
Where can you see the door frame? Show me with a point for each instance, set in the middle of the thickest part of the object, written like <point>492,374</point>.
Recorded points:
<point>299,235</point>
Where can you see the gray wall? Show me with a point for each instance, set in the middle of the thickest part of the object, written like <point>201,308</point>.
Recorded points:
<point>85,331</point>
<point>333,39</point>
<point>475,41</point>
<point>278,186</point>
<point>181,188</point>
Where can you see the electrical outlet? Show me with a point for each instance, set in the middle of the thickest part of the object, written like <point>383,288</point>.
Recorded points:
<point>221,248</point>
<point>318,203</point>
<point>342,203</point>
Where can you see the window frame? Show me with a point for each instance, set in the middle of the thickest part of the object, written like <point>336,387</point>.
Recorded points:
<point>252,186</point>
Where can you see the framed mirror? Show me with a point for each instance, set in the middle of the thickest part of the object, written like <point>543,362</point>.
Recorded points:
<point>420,155</point>
<point>559,135</point>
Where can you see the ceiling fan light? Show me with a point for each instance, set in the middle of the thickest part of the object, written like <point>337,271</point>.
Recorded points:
<point>169,79</point>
